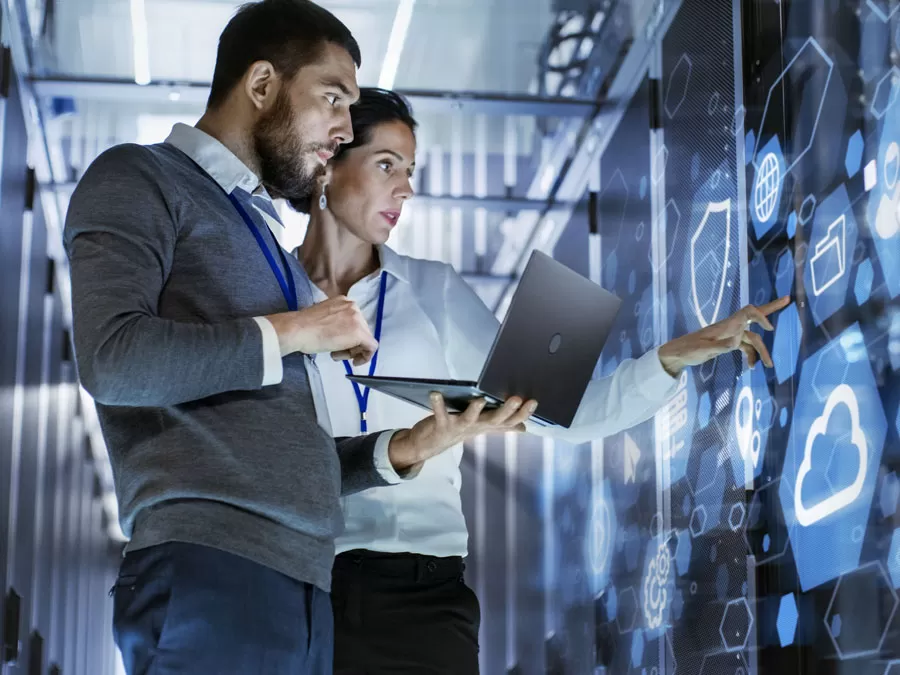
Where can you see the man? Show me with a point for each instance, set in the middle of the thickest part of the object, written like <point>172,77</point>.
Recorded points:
<point>194,333</point>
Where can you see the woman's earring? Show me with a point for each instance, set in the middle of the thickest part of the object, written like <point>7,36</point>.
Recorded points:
<point>323,200</point>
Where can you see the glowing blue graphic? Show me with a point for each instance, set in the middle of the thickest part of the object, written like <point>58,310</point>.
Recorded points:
<point>658,584</point>
<point>660,160</point>
<point>784,272</point>
<point>767,185</point>
<point>679,79</point>
<point>612,602</point>
<point>836,625</point>
<point>787,620</point>
<point>783,418</point>
<point>807,209</point>
<point>749,146</point>
<point>893,561</point>
<point>683,553</point>
<point>884,201</point>
<point>853,159</point>
<point>752,417</point>
<point>760,282</point>
<point>808,58</point>
<point>704,410</point>
<point>642,190</point>
<point>833,239</point>
<point>674,428</point>
<point>886,92</point>
<point>637,648</point>
<point>866,591</point>
<point>611,269</point>
<point>786,347</point>
<point>890,495</point>
<point>710,246</point>
<point>883,9</point>
<point>736,624</point>
<point>603,534</point>
<point>736,516</point>
<point>792,225</point>
<point>832,459</point>
<point>865,275</point>
<point>645,319</point>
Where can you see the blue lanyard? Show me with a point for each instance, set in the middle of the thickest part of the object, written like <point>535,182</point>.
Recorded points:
<point>288,288</point>
<point>362,396</point>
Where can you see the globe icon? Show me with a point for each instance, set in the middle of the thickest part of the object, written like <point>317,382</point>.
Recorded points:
<point>768,184</point>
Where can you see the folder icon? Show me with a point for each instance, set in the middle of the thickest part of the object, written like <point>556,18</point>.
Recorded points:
<point>827,264</point>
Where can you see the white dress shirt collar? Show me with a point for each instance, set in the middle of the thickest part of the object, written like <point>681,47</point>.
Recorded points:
<point>392,263</point>
<point>214,158</point>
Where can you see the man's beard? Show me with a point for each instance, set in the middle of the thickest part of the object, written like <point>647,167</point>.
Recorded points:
<point>283,154</point>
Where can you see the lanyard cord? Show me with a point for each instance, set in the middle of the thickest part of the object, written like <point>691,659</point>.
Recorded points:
<point>362,395</point>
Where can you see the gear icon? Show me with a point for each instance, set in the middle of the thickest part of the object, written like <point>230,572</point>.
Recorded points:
<point>656,594</point>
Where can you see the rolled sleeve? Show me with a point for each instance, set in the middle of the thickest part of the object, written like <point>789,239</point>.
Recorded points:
<point>383,461</point>
<point>273,368</point>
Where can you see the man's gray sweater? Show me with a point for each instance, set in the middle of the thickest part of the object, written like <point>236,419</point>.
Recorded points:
<point>166,280</point>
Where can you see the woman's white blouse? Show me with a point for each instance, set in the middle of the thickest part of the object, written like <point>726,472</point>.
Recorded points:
<point>435,326</point>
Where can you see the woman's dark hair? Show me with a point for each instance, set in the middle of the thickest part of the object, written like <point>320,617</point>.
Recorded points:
<point>374,107</point>
<point>288,33</point>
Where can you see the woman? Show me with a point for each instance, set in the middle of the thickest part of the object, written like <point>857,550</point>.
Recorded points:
<point>400,602</point>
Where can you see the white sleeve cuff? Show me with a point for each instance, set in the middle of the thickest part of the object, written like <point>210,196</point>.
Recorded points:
<point>383,461</point>
<point>654,382</point>
<point>273,369</point>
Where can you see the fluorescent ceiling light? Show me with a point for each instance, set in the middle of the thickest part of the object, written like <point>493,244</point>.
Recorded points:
<point>395,44</point>
<point>139,42</point>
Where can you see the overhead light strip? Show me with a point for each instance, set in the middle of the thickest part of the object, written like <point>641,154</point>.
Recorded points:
<point>140,43</point>
<point>395,44</point>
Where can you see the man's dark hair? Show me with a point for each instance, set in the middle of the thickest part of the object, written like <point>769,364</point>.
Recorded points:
<point>288,33</point>
<point>374,107</point>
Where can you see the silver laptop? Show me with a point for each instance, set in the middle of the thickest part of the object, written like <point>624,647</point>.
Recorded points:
<point>546,348</point>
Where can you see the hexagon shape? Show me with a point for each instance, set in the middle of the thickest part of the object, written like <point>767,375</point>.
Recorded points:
<point>717,663</point>
<point>865,275</point>
<point>831,246</point>
<point>836,625</point>
<point>810,55</point>
<point>787,620</point>
<point>698,521</point>
<point>884,202</point>
<point>890,495</point>
<point>683,553</point>
<point>637,648</point>
<point>679,79</point>
<point>852,400</point>
<point>893,560</point>
<point>765,520</point>
<point>628,611</point>
<point>735,625</point>
<point>886,92</point>
<point>784,272</point>
<point>853,158</point>
<point>792,225</point>
<point>883,9</point>
<point>767,184</point>
<point>736,516</point>
<point>807,209</point>
<point>866,590</point>
<point>786,346</point>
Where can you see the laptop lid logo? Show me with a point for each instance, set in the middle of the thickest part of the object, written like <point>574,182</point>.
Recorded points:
<point>555,342</point>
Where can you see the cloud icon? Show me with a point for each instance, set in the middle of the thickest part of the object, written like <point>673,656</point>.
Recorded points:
<point>842,394</point>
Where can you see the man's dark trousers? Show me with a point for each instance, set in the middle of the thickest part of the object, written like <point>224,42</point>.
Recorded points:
<point>186,609</point>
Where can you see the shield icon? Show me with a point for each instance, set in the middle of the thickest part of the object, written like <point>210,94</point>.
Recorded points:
<point>709,261</point>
